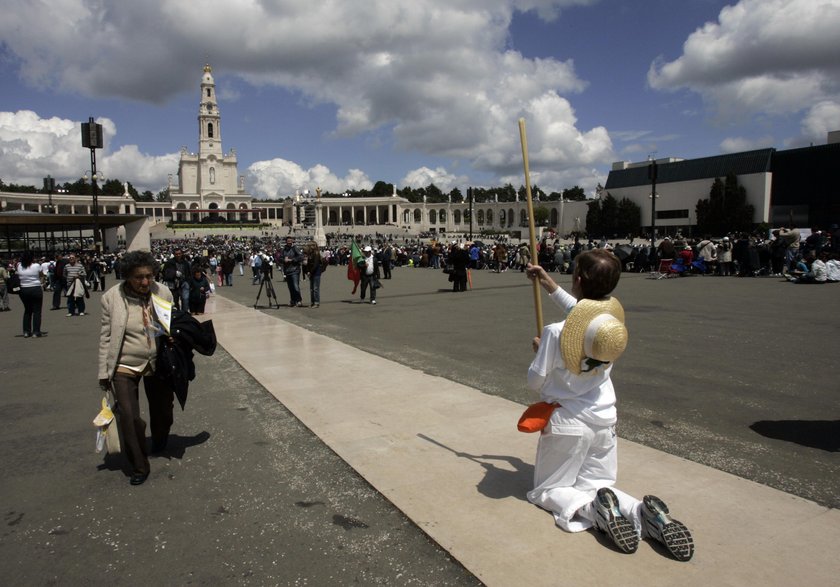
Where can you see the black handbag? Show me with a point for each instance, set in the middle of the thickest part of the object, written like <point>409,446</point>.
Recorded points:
<point>13,283</point>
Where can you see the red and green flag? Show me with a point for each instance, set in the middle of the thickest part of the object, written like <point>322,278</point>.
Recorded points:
<point>353,273</point>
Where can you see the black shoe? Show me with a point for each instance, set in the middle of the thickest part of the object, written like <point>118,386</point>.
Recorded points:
<point>138,478</point>
<point>159,447</point>
<point>40,334</point>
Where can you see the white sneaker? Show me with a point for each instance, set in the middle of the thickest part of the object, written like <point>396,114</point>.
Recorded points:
<point>610,521</point>
<point>81,313</point>
<point>69,315</point>
<point>661,526</point>
<point>373,302</point>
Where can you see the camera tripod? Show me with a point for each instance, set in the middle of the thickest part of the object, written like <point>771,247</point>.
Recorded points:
<point>265,281</point>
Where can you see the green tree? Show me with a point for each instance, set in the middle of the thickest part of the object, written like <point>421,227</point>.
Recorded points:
<point>726,209</point>
<point>541,215</point>
<point>594,218</point>
<point>163,196</point>
<point>629,218</point>
<point>382,189</point>
<point>19,189</point>
<point>575,194</point>
<point>433,194</point>
<point>111,187</point>
<point>607,217</point>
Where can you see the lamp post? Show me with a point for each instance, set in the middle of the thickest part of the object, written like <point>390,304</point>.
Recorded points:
<point>95,179</point>
<point>92,139</point>
<point>471,197</point>
<point>652,172</point>
<point>49,187</point>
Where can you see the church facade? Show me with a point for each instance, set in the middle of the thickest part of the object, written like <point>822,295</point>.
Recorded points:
<point>209,183</point>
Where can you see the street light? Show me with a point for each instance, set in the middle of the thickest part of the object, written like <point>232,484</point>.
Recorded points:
<point>95,178</point>
<point>49,187</point>
<point>652,172</point>
<point>471,197</point>
<point>92,139</point>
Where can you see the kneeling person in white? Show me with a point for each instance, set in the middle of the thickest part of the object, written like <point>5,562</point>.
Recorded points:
<point>577,464</point>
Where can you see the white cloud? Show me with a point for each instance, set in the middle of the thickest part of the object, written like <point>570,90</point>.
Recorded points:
<point>738,144</point>
<point>32,147</point>
<point>436,74</point>
<point>439,176</point>
<point>279,178</point>
<point>762,56</point>
<point>820,120</point>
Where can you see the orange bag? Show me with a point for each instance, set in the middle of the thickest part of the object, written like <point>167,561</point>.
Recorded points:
<point>535,417</point>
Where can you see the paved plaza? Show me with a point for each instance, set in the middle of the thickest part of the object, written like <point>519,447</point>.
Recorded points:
<point>733,374</point>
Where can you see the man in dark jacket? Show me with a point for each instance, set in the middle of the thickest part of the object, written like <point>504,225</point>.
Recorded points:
<point>176,272</point>
<point>459,259</point>
<point>59,284</point>
<point>292,258</point>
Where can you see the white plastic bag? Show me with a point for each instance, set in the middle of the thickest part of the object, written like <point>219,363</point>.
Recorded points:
<point>107,434</point>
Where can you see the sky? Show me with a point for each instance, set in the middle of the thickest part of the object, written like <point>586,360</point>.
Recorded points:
<point>340,94</point>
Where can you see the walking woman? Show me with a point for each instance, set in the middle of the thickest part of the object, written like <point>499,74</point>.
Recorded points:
<point>31,293</point>
<point>127,355</point>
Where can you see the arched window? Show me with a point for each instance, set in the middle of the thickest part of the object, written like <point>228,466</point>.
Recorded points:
<point>523,218</point>
<point>490,217</point>
<point>442,216</point>
<point>212,175</point>
<point>480,217</point>
<point>418,216</point>
<point>208,92</point>
<point>510,216</point>
<point>502,217</point>
<point>554,217</point>
<point>456,216</point>
<point>210,130</point>
<point>432,217</point>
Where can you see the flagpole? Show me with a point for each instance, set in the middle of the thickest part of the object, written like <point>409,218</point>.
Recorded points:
<point>531,228</point>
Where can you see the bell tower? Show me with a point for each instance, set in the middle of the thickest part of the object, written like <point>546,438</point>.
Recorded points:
<point>209,119</point>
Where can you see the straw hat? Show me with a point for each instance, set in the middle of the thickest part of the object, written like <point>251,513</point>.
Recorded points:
<point>595,330</point>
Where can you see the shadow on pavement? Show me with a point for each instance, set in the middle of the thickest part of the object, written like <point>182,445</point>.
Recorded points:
<point>821,434</point>
<point>498,482</point>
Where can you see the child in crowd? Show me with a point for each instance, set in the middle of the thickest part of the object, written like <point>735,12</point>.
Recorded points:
<point>577,464</point>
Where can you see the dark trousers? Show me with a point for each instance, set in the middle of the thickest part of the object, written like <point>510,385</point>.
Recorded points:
<point>75,305</point>
<point>132,427</point>
<point>293,283</point>
<point>58,290</point>
<point>368,280</point>
<point>32,299</point>
<point>459,282</point>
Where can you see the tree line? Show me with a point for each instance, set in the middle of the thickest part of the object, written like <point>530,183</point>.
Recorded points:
<point>110,187</point>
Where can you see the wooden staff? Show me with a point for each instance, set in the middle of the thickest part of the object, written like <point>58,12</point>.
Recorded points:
<point>531,229</point>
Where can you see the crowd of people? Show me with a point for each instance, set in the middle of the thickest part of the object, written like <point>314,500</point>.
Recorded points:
<point>193,267</point>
